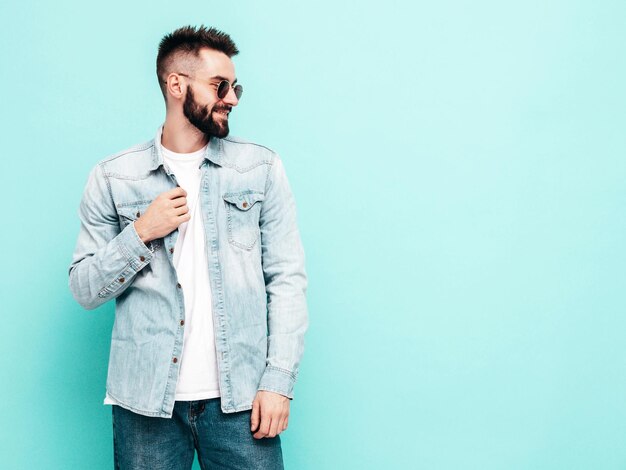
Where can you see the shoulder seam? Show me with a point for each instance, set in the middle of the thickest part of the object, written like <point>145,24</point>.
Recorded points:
<point>133,149</point>
<point>243,142</point>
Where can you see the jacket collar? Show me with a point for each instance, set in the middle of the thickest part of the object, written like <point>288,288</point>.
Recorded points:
<point>214,151</point>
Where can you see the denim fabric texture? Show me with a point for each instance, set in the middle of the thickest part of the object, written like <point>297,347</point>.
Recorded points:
<point>222,440</point>
<point>256,269</point>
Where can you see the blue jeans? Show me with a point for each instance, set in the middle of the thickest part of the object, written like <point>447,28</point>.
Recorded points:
<point>223,440</point>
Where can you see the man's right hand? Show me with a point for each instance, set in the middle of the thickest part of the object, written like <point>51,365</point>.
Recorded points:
<point>163,215</point>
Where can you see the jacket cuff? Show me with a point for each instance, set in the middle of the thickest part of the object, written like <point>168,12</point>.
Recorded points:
<point>131,246</point>
<point>278,380</point>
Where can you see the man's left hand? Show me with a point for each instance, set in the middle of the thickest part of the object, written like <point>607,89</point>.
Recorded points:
<point>270,414</point>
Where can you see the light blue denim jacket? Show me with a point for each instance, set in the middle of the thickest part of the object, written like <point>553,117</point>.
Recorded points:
<point>256,269</point>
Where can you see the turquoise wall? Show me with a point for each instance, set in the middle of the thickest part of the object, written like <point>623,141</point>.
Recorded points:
<point>459,169</point>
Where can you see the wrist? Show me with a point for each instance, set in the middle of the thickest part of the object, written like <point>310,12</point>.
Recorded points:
<point>141,232</point>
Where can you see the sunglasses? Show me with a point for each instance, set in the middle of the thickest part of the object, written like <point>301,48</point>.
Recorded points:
<point>223,87</point>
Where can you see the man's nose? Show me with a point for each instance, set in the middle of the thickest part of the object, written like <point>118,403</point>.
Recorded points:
<point>231,98</point>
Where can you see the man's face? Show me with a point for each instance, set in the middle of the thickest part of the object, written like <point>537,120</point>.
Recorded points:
<point>201,106</point>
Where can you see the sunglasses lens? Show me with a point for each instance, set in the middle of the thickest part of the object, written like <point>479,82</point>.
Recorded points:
<point>222,89</point>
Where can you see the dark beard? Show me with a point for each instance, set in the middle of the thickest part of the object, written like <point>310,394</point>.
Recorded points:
<point>202,118</point>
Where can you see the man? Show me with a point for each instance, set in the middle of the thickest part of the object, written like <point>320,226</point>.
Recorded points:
<point>194,234</point>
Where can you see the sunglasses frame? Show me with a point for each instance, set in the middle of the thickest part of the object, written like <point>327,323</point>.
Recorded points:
<point>238,89</point>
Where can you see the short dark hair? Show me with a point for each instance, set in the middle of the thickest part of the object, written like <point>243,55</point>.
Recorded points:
<point>189,40</point>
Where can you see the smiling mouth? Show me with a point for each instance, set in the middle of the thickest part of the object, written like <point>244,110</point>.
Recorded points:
<point>222,113</point>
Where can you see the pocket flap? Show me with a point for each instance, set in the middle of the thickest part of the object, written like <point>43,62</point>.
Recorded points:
<point>132,211</point>
<point>244,200</point>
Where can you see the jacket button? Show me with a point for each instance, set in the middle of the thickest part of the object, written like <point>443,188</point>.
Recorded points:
<point>182,322</point>
<point>121,279</point>
<point>175,360</point>
<point>178,285</point>
<point>142,258</point>
<point>245,204</point>
<point>172,250</point>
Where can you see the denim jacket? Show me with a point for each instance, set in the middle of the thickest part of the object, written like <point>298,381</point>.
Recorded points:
<point>256,269</point>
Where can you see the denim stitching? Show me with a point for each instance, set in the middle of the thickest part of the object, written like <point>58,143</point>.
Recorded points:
<point>108,289</point>
<point>237,140</point>
<point>231,240</point>
<point>244,169</point>
<point>134,149</point>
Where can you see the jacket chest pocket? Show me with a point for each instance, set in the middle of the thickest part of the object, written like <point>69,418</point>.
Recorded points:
<point>243,209</point>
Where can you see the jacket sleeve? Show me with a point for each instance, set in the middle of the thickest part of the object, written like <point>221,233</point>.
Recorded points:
<point>285,283</point>
<point>105,259</point>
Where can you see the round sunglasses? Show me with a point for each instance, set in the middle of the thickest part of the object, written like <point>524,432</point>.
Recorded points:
<point>222,88</point>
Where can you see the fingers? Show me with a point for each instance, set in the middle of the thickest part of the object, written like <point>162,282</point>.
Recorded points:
<point>181,210</point>
<point>264,427</point>
<point>179,201</point>
<point>174,193</point>
<point>274,429</point>
<point>282,425</point>
<point>186,217</point>
<point>177,196</point>
<point>255,418</point>
<point>271,421</point>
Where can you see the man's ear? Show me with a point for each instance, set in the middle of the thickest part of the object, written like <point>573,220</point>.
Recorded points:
<point>175,86</point>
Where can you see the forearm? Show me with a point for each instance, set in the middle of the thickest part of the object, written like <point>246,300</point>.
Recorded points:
<point>98,276</point>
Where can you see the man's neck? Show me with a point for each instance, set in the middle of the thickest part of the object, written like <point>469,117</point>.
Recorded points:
<point>181,136</point>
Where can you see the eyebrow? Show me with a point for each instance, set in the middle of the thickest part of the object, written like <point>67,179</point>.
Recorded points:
<point>219,77</point>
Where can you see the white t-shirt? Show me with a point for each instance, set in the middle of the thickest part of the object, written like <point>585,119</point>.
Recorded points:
<point>198,377</point>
